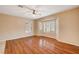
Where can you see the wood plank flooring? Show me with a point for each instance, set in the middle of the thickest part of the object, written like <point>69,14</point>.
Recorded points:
<point>39,45</point>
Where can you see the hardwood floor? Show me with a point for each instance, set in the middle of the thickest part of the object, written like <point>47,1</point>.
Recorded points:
<point>39,45</point>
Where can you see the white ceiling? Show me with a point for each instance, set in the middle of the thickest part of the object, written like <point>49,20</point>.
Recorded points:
<point>42,10</point>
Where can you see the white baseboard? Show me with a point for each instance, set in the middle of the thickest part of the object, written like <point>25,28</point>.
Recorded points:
<point>14,36</point>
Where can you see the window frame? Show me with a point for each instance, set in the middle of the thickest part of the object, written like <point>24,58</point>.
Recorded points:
<point>44,30</point>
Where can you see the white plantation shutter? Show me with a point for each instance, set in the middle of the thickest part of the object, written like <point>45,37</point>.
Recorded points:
<point>48,26</point>
<point>28,27</point>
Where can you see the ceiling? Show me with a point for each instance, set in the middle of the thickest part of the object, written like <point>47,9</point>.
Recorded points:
<point>41,10</point>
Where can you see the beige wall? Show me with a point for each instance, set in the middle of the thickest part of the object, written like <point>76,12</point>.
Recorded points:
<point>12,27</point>
<point>35,27</point>
<point>68,26</point>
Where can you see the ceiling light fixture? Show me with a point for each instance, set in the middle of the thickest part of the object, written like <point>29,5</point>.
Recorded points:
<point>33,10</point>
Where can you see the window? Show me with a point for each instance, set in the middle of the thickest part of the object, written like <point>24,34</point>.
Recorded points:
<point>28,27</point>
<point>48,26</point>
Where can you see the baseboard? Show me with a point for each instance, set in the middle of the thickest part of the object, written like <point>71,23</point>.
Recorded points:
<point>73,44</point>
<point>13,36</point>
